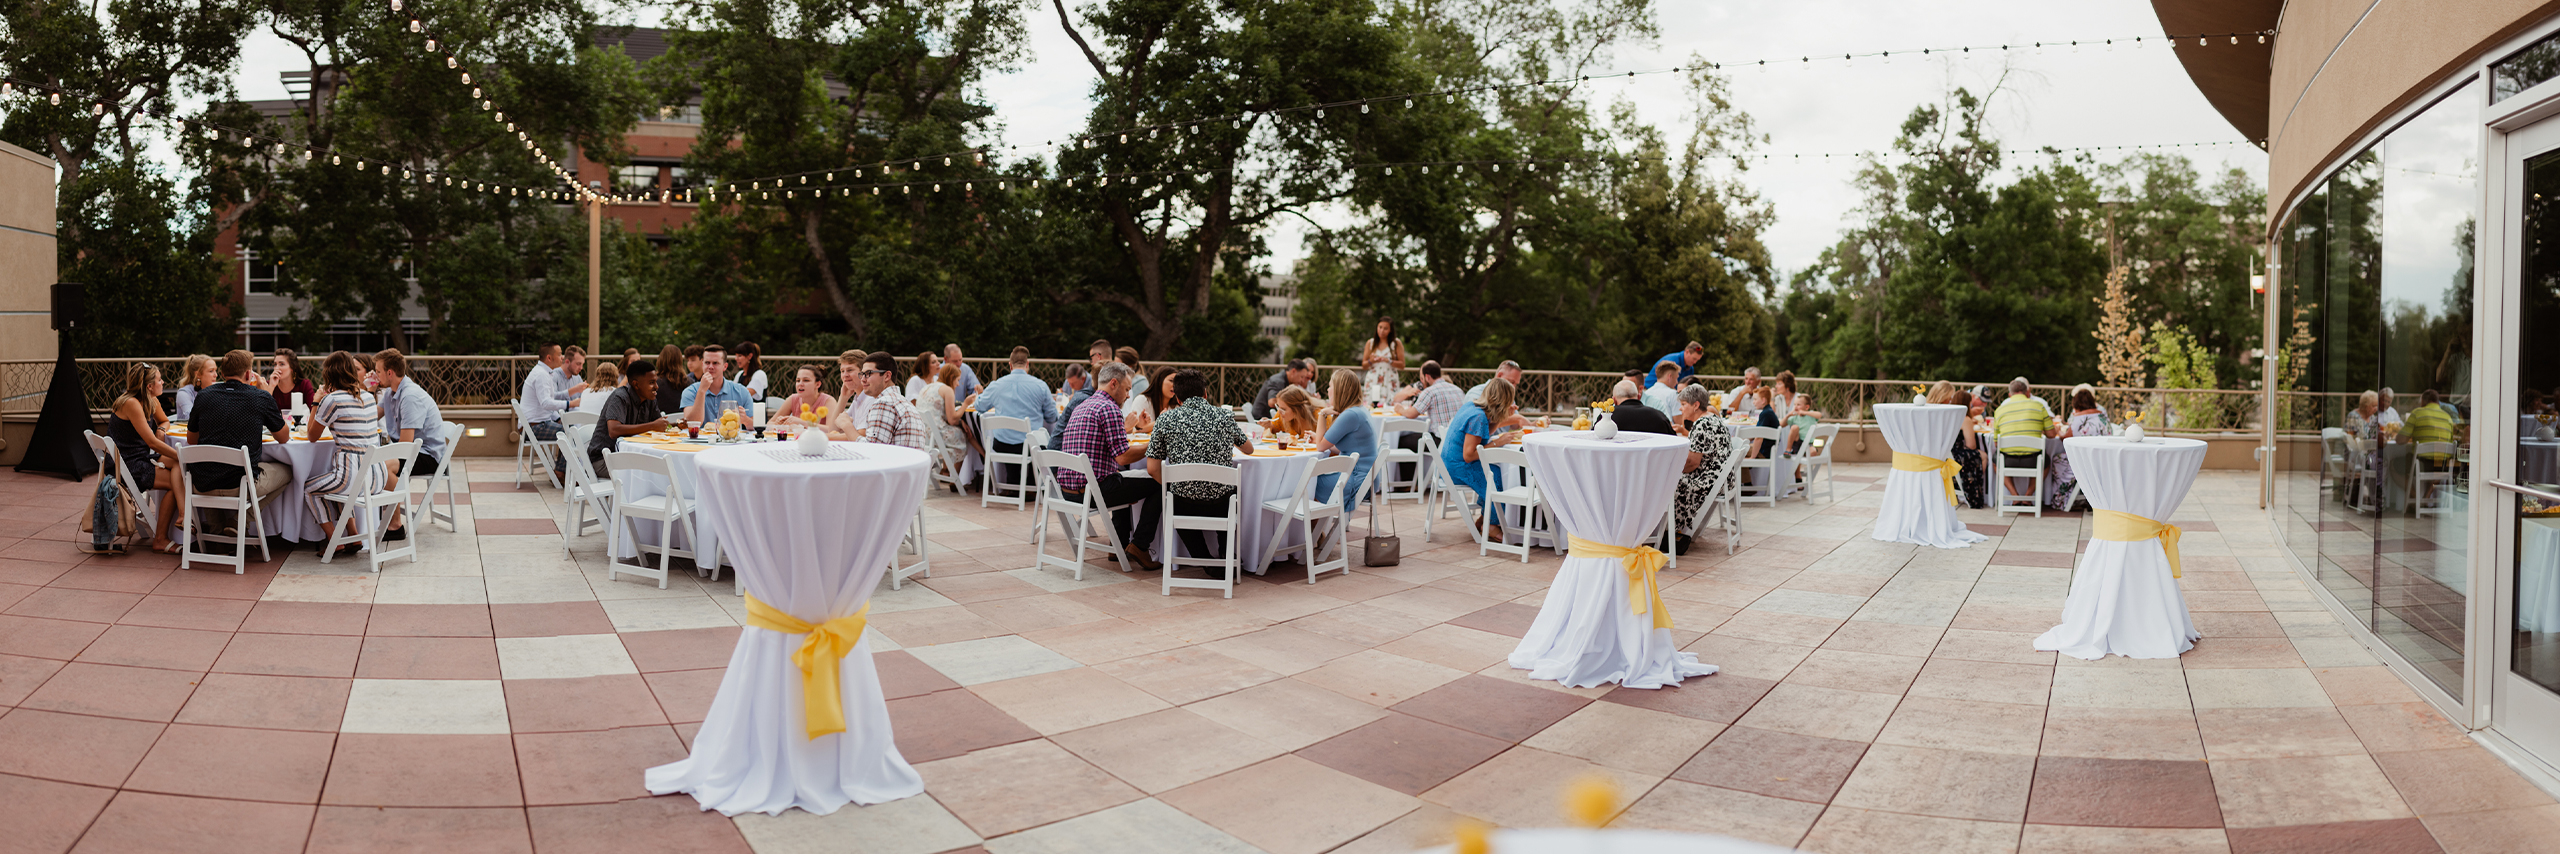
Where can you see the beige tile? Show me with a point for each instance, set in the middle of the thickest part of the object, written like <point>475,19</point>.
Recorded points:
<point>1965,725</point>
<point>2403,726</point>
<point>1165,749</point>
<point>2304,790</point>
<point>1380,678</point>
<point>1102,640</point>
<point>1455,647</point>
<point>1068,700</point>
<point>1984,681</point>
<point>1427,826</point>
<point>319,588</point>
<point>2060,839</point>
<point>2275,733</point>
<point>1821,712</point>
<point>1621,736</point>
<point>1186,674</point>
<point>2467,779</point>
<point>1944,783</point>
<point>2122,733</point>
<point>1751,658</point>
<point>563,657</point>
<point>426,707</point>
<point>1288,713</point>
<point>1024,614</point>
<point>978,662</point>
<point>2275,688</point>
<point>1857,671</point>
<point>1432,603</point>
<point>1289,805</point>
<point>2496,831</point>
<point>1845,830</point>
<point>1525,787</point>
<point>1284,649</point>
<point>2120,687</point>
<point>1139,827</point>
<point>917,825</point>
<point>1691,808</point>
<point>1026,784</point>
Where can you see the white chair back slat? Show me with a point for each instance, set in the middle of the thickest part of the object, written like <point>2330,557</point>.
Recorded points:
<point>671,511</point>
<point>1228,564</point>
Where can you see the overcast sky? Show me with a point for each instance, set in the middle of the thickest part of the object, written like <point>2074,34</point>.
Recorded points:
<point>2057,96</point>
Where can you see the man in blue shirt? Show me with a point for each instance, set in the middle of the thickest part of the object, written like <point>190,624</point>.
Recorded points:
<point>702,400</point>
<point>409,414</point>
<point>968,384</point>
<point>1018,394</point>
<point>1686,359</point>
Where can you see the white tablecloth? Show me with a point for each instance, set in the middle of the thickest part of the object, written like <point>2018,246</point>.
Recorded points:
<point>2538,575</point>
<point>2538,461</point>
<point>812,539</point>
<point>1612,492</point>
<point>1915,503</point>
<point>2123,600</point>
<point>286,513</point>
<point>646,485</point>
<point>1261,479</point>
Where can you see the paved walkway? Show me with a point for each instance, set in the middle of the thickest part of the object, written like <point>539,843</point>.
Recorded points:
<point>499,696</point>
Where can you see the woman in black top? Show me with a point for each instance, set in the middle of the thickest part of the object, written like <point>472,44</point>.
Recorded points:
<point>150,459</point>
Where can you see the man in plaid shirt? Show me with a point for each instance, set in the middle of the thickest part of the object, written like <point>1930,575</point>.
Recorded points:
<point>891,420</point>
<point>1096,432</point>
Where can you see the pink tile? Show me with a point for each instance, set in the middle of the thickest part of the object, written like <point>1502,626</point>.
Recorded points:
<point>307,618</point>
<point>685,649</point>
<point>290,655</point>
<point>2383,836</point>
<point>552,619</point>
<point>423,771</point>
<point>449,621</point>
<point>428,658</point>
<point>1777,764</point>
<point>684,696</point>
<point>117,576</point>
<point>1404,753</point>
<point>670,824</point>
<point>81,749</point>
<point>44,815</point>
<point>142,821</point>
<point>147,646</point>
<point>593,767</point>
<point>1721,698</point>
<point>231,762</point>
<point>137,693</point>
<point>1505,710</point>
<point>407,830</point>
<point>189,612</point>
<point>271,702</point>
<point>944,724</point>
<point>2123,793</point>
<point>21,676</point>
<point>218,582</point>
<point>583,703</point>
<point>89,606</point>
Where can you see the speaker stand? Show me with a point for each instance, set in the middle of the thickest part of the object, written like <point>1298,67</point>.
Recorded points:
<point>58,446</point>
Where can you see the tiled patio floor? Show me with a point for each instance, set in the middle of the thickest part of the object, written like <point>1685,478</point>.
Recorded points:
<point>500,697</point>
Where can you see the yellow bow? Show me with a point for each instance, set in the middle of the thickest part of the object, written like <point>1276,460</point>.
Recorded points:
<point>1946,470</point>
<point>1644,592</point>
<point>819,658</point>
<point>2122,527</point>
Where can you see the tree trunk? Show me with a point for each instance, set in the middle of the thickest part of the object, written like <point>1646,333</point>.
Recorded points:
<point>845,306</point>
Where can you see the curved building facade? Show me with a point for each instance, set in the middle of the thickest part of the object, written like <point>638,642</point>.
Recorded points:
<point>2413,330</point>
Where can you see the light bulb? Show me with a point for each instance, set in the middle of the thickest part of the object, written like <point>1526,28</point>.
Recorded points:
<point>1497,167</point>
<point>395,5</point>
<point>946,161</point>
<point>466,79</point>
<point>413,25</point>
<point>450,63</point>
<point>1391,170</point>
<point>475,90</point>
<point>906,189</point>
<point>359,165</point>
<point>57,99</point>
<point>875,191</point>
<point>97,109</point>
<point>1195,130</point>
<point>831,177</point>
<point>937,188</point>
<point>1364,108</point>
<point>431,45</point>
<point>1319,112</point>
<point>2262,38</point>
<point>333,160</point>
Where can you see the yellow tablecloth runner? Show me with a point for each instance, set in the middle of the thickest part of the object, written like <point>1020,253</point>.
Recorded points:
<point>1644,564</point>
<point>821,695</point>
<point>1945,468</point>
<point>2122,527</point>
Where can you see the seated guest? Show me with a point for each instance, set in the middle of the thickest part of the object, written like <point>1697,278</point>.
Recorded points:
<point>1078,386</point>
<point>968,386</point>
<point>140,433</point>
<point>630,411</point>
<point>2432,421</point>
<point>1293,413</point>
<point>1018,394</point>
<point>1472,431</point>
<point>608,378</point>
<point>1350,433</point>
<point>1801,419</point>
<point>1705,473</point>
<point>1664,394</point>
<point>1098,432</point>
<point>547,392</point>
<point>2086,420</point>
<point>748,362</point>
<point>1146,398</point>
<point>672,378</point>
<point>2023,415</point>
<point>1434,399</point>
<point>409,414</point>
<point>1967,451</point>
<point>1509,372</point>
<point>285,380</point>
<point>235,413</point>
<point>199,374</point>
<point>1137,371</point>
<point>352,418</point>
<point>1748,397</point>
<point>943,411</point>
<point>926,366</point>
<point>1297,374</point>
<point>890,419</point>
<point>1193,430</point>
<point>1631,413</point>
<point>703,401</point>
<point>852,406</point>
<point>1096,355</point>
<point>808,392</point>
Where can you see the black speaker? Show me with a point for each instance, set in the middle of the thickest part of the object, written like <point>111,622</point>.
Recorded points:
<point>67,310</point>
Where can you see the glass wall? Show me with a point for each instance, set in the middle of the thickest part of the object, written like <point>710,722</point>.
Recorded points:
<point>2375,366</point>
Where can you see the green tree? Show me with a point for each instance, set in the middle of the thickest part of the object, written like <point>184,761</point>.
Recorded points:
<point>2190,249</point>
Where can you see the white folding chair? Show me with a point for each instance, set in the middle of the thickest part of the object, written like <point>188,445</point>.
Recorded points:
<point>1076,515</point>
<point>145,501</point>
<point>1317,521</point>
<point>672,511</point>
<point>580,418</point>
<point>1024,492</point>
<point>584,493</point>
<point>2425,485</point>
<point>948,458</point>
<point>1392,481</point>
<point>529,450</point>
<point>1522,492</point>
<point>1443,494</point>
<point>2333,453</point>
<point>1765,489</point>
<point>1227,565</point>
<point>374,499</point>
<point>1814,460</point>
<point>2361,481</point>
<point>912,542</point>
<point>2003,470</point>
<point>425,508</point>
<point>249,520</point>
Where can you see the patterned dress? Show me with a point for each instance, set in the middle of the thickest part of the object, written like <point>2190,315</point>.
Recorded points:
<point>1380,377</point>
<point>354,422</point>
<point>1712,443</point>
<point>1970,480</point>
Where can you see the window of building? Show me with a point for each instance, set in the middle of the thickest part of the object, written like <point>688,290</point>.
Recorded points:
<point>637,178</point>
<point>2525,68</point>
<point>260,275</point>
<point>680,179</point>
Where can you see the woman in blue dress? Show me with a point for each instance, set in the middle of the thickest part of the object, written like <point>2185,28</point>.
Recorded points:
<point>1350,433</point>
<point>1472,430</point>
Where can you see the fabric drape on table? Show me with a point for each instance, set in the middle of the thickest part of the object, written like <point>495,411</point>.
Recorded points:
<point>1915,503</point>
<point>1611,492</point>
<point>2124,599</point>
<point>812,540</point>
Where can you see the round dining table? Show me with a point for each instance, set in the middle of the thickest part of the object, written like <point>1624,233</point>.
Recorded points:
<point>681,456</point>
<point>1604,620</point>
<point>287,512</point>
<point>800,719</point>
<point>1268,474</point>
<point>2125,598</point>
<point>1919,492</point>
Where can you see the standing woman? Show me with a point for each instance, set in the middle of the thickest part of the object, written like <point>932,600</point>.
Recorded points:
<point>1350,433</point>
<point>672,379</point>
<point>286,379</point>
<point>198,375</point>
<point>1382,357</point>
<point>1710,444</point>
<point>353,419</point>
<point>137,431</point>
<point>751,368</point>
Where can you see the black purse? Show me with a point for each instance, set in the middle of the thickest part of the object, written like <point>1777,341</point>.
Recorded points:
<point>1377,550</point>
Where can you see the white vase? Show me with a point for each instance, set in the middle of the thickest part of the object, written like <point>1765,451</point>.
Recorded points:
<point>1607,428</point>
<point>2543,433</point>
<point>2133,432</point>
<point>1919,398</point>
<point>813,442</point>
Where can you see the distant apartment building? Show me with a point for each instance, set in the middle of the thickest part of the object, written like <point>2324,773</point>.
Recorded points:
<point>1279,304</point>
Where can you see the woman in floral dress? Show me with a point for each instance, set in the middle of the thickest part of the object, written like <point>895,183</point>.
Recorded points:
<point>1382,358</point>
<point>1705,475</point>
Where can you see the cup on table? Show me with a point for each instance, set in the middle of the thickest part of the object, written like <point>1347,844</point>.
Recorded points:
<point>693,429</point>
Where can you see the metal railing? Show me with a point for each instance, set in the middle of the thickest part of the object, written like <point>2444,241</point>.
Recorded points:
<point>474,381</point>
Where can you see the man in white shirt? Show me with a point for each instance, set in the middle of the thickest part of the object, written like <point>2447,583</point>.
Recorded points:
<point>548,391</point>
<point>1664,394</point>
<point>1748,397</point>
<point>1509,371</point>
<point>2390,413</point>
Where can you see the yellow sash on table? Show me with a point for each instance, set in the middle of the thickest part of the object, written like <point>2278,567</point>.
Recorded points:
<point>1644,593</point>
<point>2122,527</point>
<point>1946,470</point>
<point>818,657</point>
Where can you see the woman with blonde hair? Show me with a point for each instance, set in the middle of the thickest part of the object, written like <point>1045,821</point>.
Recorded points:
<point>1942,391</point>
<point>138,431</point>
<point>1473,430</point>
<point>198,375</point>
<point>1293,412</point>
<point>608,378</point>
<point>1350,433</point>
